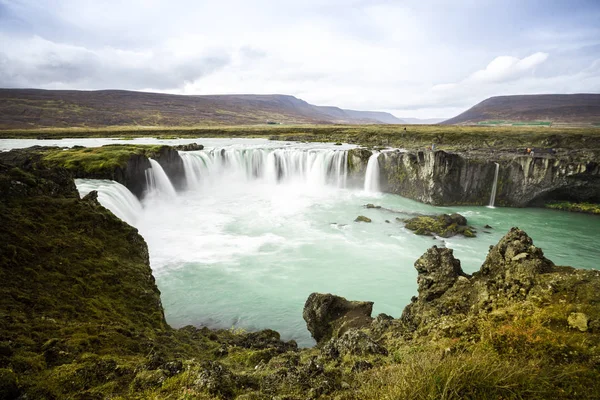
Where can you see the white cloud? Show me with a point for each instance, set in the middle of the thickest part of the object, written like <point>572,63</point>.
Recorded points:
<point>507,68</point>
<point>361,54</point>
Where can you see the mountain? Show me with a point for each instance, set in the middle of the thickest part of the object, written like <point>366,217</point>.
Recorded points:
<point>580,109</point>
<point>33,108</point>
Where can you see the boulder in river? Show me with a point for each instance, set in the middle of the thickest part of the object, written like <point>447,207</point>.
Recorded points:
<point>443,225</point>
<point>362,218</point>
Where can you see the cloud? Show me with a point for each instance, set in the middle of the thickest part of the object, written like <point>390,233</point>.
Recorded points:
<point>37,62</point>
<point>507,68</point>
<point>409,56</point>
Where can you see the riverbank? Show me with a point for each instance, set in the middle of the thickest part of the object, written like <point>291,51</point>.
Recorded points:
<point>454,138</point>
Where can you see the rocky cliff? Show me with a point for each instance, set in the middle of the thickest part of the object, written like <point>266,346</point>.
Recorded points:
<point>443,178</point>
<point>126,164</point>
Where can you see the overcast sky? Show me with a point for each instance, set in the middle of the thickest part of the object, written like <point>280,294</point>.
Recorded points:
<point>427,58</point>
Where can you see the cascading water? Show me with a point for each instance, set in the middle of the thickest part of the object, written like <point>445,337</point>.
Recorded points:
<point>158,182</point>
<point>114,196</point>
<point>372,174</point>
<point>314,167</point>
<point>493,195</point>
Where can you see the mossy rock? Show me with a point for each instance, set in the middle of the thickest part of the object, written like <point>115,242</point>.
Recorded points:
<point>362,218</point>
<point>443,225</point>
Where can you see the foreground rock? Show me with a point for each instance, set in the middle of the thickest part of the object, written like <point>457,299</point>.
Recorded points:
<point>328,316</point>
<point>443,225</point>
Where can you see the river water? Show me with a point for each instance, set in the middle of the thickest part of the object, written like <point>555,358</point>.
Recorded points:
<point>262,224</point>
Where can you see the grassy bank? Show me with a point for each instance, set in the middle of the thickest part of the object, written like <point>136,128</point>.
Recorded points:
<point>415,136</point>
<point>588,208</point>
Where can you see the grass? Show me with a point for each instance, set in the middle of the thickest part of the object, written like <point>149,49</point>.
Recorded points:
<point>415,136</point>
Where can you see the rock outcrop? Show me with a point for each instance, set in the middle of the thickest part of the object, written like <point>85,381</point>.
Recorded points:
<point>444,178</point>
<point>328,316</point>
<point>443,225</point>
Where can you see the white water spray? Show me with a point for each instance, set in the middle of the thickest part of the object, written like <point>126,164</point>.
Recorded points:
<point>493,195</point>
<point>114,196</point>
<point>372,174</point>
<point>313,167</point>
<point>158,181</point>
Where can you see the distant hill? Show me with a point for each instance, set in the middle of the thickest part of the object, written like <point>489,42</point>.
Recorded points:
<point>580,109</point>
<point>33,108</point>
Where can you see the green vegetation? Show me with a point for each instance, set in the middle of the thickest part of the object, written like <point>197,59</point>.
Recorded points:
<point>414,137</point>
<point>588,208</point>
<point>95,159</point>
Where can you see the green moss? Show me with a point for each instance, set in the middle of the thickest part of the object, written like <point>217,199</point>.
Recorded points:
<point>443,225</point>
<point>588,208</point>
<point>97,159</point>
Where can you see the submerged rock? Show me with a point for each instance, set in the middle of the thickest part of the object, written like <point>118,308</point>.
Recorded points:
<point>328,316</point>
<point>362,218</point>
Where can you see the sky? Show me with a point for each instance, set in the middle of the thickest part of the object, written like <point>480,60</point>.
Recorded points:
<point>424,59</point>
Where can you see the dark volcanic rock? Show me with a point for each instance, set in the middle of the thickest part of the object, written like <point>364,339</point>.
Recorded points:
<point>443,178</point>
<point>327,315</point>
<point>447,296</point>
<point>189,147</point>
<point>170,160</point>
<point>437,270</point>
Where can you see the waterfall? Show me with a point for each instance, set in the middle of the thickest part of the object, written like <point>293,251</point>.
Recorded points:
<point>114,196</point>
<point>312,167</point>
<point>493,195</point>
<point>196,168</point>
<point>372,174</point>
<point>157,180</point>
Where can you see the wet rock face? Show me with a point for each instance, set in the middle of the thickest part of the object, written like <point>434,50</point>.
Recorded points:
<point>441,178</point>
<point>438,271</point>
<point>327,315</point>
<point>170,160</point>
<point>133,176</point>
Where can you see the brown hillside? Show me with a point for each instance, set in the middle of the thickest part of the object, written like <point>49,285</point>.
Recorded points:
<point>33,108</point>
<point>581,109</point>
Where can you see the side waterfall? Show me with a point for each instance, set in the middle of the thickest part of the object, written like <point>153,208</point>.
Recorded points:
<point>114,196</point>
<point>372,174</point>
<point>313,167</point>
<point>158,181</point>
<point>493,195</point>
